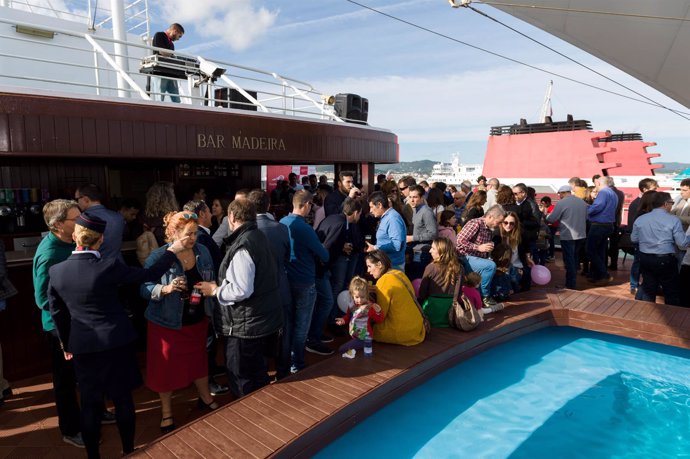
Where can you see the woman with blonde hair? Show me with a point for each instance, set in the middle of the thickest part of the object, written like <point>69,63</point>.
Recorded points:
<point>439,280</point>
<point>177,321</point>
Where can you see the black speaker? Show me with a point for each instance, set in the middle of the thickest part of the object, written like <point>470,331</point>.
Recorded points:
<point>226,96</point>
<point>365,109</point>
<point>352,108</point>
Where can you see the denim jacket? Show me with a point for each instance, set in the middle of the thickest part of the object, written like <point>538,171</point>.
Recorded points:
<point>166,311</point>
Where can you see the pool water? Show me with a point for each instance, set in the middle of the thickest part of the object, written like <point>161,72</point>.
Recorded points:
<point>556,393</point>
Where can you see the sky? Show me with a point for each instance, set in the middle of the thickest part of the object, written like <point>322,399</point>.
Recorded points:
<point>439,96</point>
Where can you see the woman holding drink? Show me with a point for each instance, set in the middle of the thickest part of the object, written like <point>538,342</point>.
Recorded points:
<point>176,347</point>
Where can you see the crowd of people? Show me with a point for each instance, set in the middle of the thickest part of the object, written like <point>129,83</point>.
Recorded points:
<point>264,274</point>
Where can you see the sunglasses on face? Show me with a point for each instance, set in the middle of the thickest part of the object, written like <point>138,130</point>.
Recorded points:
<point>509,223</point>
<point>403,188</point>
<point>190,216</point>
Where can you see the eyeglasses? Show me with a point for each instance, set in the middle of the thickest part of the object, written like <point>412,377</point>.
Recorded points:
<point>509,223</point>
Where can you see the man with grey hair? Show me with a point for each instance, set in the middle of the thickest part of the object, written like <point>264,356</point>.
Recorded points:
<point>602,218</point>
<point>474,245</point>
<point>56,247</point>
<point>571,214</point>
<point>491,191</point>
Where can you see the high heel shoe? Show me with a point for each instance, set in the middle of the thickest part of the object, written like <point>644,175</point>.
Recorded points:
<point>206,406</point>
<point>170,427</point>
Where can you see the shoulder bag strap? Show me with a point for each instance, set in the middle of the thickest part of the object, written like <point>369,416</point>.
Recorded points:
<point>411,292</point>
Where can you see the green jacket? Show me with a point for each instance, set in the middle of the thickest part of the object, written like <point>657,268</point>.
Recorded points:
<point>50,251</point>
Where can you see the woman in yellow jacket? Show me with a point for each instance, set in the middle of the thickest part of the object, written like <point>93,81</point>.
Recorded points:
<point>403,323</point>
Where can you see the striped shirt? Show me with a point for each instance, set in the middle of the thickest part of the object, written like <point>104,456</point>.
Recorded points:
<point>473,234</point>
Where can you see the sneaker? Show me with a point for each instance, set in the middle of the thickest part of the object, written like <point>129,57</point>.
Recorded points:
<point>74,440</point>
<point>327,339</point>
<point>633,291</point>
<point>486,311</point>
<point>497,307</point>
<point>350,354</point>
<point>108,417</point>
<point>318,348</point>
<point>488,302</point>
<point>217,389</point>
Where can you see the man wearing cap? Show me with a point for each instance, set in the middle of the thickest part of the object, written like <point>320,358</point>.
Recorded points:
<point>571,214</point>
<point>94,329</point>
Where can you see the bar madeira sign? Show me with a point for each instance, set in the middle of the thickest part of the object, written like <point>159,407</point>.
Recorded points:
<point>240,142</point>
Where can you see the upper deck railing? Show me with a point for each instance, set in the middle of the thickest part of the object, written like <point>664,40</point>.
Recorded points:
<point>550,126</point>
<point>70,60</point>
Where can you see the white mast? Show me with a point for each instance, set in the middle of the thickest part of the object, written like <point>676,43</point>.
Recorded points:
<point>117,8</point>
<point>546,109</point>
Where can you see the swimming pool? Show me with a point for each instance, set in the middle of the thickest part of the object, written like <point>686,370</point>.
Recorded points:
<point>559,392</point>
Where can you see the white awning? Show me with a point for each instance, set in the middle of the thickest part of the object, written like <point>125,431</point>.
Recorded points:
<point>632,36</point>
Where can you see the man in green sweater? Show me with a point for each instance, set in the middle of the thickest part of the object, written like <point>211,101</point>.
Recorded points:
<point>56,247</point>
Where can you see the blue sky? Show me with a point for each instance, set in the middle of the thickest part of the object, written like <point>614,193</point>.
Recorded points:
<point>438,96</point>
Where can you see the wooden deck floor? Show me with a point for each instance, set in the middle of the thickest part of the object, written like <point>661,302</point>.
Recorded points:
<point>298,415</point>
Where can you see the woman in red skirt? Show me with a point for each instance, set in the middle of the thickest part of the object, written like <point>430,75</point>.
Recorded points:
<point>176,347</point>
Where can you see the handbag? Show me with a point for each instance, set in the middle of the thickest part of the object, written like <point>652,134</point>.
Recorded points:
<point>462,314</point>
<point>7,290</point>
<point>425,319</point>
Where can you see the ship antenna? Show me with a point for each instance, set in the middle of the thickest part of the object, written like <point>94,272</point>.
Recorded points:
<point>546,109</point>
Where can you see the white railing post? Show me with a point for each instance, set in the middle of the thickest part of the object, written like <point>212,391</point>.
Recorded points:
<point>119,69</point>
<point>95,69</point>
<point>305,97</point>
<point>117,8</point>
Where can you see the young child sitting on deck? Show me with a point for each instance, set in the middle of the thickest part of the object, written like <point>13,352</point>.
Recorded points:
<point>359,315</point>
<point>470,289</point>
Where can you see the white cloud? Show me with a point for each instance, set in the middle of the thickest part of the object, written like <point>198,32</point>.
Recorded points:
<point>461,107</point>
<point>236,23</point>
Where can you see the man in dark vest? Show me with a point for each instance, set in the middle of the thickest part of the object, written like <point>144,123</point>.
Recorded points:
<point>249,311</point>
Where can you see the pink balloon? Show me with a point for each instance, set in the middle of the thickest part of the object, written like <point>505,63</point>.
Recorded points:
<point>416,283</point>
<point>541,275</point>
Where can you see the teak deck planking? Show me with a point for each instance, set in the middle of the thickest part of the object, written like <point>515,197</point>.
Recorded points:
<point>300,414</point>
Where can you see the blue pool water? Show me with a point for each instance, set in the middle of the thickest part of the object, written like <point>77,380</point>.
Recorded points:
<point>555,393</point>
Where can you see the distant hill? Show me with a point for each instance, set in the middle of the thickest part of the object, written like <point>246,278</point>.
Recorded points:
<point>424,167</point>
<point>673,167</point>
<point>420,167</point>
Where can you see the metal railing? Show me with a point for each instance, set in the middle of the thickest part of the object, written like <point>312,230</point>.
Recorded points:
<point>86,63</point>
<point>136,14</point>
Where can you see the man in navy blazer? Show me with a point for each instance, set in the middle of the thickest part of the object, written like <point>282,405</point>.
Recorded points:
<point>94,329</point>
<point>89,198</point>
<point>279,240</point>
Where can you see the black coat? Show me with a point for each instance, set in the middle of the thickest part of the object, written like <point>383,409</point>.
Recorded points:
<point>84,303</point>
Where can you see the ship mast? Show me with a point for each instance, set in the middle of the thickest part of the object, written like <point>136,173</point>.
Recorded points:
<point>546,109</point>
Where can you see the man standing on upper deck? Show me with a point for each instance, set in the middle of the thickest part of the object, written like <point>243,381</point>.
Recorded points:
<point>166,40</point>
<point>602,216</point>
<point>90,197</point>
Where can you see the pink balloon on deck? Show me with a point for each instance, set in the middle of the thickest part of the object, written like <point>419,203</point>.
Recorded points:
<point>416,283</point>
<point>541,275</point>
